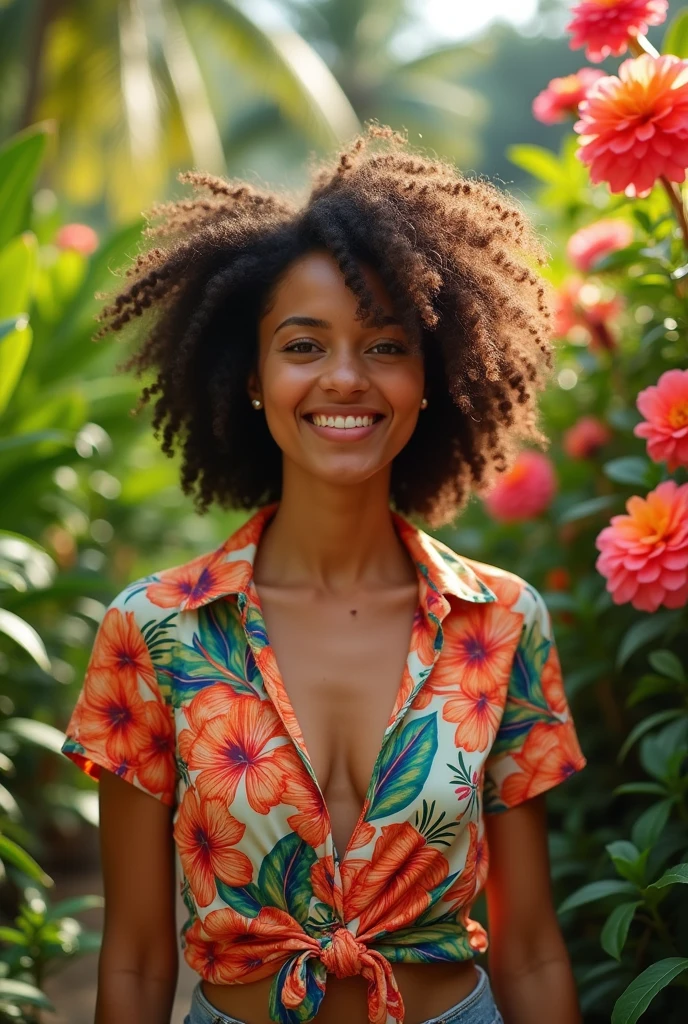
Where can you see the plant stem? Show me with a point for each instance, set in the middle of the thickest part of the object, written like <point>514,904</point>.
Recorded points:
<point>638,45</point>
<point>662,930</point>
<point>676,199</point>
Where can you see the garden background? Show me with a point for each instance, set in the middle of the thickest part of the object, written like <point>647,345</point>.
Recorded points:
<point>101,104</point>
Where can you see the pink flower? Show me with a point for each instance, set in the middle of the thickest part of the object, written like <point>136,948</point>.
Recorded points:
<point>645,553</point>
<point>665,408</point>
<point>585,437</point>
<point>525,490</point>
<point>604,26</point>
<point>593,241</point>
<point>581,308</point>
<point>634,128</point>
<point>79,237</point>
<point>561,97</point>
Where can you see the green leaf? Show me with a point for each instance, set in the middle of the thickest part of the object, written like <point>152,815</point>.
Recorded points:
<point>615,931</point>
<point>651,722</point>
<point>73,905</point>
<point>20,162</point>
<point>619,259</point>
<point>649,826</point>
<point>676,35</point>
<point>11,852</point>
<point>14,351</point>
<point>39,733</point>
<point>10,324</point>
<point>654,788</point>
<point>628,860</point>
<point>662,753</point>
<point>678,874</point>
<point>595,891</point>
<point>536,160</point>
<point>642,632</point>
<point>667,664</point>
<point>18,266</point>
<point>21,992</point>
<point>25,636</point>
<point>584,509</point>
<point>649,686</point>
<point>635,1000</point>
<point>631,469</point>
<point>14,936</point>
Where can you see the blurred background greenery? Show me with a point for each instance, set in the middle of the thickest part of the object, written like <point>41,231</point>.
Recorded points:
<point>101,104</point>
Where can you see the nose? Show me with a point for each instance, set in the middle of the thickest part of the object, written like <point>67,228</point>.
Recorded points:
<point>344,372</point>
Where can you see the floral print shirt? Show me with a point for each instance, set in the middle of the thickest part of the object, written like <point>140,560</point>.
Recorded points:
<point>183,699</point>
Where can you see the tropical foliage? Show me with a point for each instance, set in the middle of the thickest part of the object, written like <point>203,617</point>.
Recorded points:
<point>599,523</point>
<point>602,519</point>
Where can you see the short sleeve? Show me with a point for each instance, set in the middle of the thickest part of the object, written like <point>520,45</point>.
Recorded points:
<point>536,746</point>
<point>121,721</point>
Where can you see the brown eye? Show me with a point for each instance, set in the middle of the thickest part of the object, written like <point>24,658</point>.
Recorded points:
<point>294,346</point>
<point>390,344</point>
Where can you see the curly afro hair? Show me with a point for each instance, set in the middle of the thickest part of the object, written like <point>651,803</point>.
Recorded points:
<point>459,260</point>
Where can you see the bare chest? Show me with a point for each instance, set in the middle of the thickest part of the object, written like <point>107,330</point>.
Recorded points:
<point>341,663</point>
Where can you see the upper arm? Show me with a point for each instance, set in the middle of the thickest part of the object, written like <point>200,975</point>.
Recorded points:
<point>138,868</point>
<point>518,888</point>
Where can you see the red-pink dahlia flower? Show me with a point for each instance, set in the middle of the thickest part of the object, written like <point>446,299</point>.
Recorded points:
<point>604,26</point>
<point>634,128</point>
<point>665,408</point>
<point>80,237</point>
<point>586,437</point>
<point>580,306</point>
<point>644,555</point>
<point>561,97</point>
<point>525,490</point>
<point>590,243</point>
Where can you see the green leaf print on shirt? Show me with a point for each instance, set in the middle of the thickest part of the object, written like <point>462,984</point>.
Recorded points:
<point>245,899</point>
<point>218,655</point>
<point>284,879</point>
<point>525,703</point>
<point>427,944</point>
<point>403,767</point>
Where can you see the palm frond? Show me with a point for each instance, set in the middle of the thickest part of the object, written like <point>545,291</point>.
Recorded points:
<point>284,67</point>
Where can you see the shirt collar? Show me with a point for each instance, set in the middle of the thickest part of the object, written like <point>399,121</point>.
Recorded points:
<point>229,569</point>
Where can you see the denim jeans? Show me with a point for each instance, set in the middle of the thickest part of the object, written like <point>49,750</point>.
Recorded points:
<point>478,1007</point>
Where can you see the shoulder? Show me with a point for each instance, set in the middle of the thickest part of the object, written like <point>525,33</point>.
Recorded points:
<point>513,592</point>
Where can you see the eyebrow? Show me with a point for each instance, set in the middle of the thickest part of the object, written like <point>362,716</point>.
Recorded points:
<point>311,321</point>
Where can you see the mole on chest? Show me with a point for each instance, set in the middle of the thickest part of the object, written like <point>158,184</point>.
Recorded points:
<point>341,665</point>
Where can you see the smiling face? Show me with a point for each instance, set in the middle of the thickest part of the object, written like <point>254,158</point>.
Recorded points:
<point>341,398</point>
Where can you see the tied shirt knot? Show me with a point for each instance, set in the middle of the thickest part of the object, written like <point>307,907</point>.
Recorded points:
<point>343,955</point>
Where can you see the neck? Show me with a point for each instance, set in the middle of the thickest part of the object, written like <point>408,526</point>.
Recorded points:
<point>334,539</point>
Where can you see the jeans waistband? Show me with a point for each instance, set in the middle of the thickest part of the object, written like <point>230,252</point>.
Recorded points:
<point>478,1007</point>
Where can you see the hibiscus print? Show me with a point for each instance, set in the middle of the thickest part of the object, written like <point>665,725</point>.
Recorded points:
<point>231,748</point>
<point>206,834</point>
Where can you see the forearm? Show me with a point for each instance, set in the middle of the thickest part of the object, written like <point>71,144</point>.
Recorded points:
<point>133,996</point>
<point>521,995</point>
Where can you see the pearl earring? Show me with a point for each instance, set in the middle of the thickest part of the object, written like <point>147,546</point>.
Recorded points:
<point>256,403</point>
<point>424,403</point>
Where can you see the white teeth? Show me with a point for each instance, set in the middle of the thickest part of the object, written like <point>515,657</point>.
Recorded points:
<point>342,422</point>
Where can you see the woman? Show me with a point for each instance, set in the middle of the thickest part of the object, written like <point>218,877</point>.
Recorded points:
<point>380,346</point>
